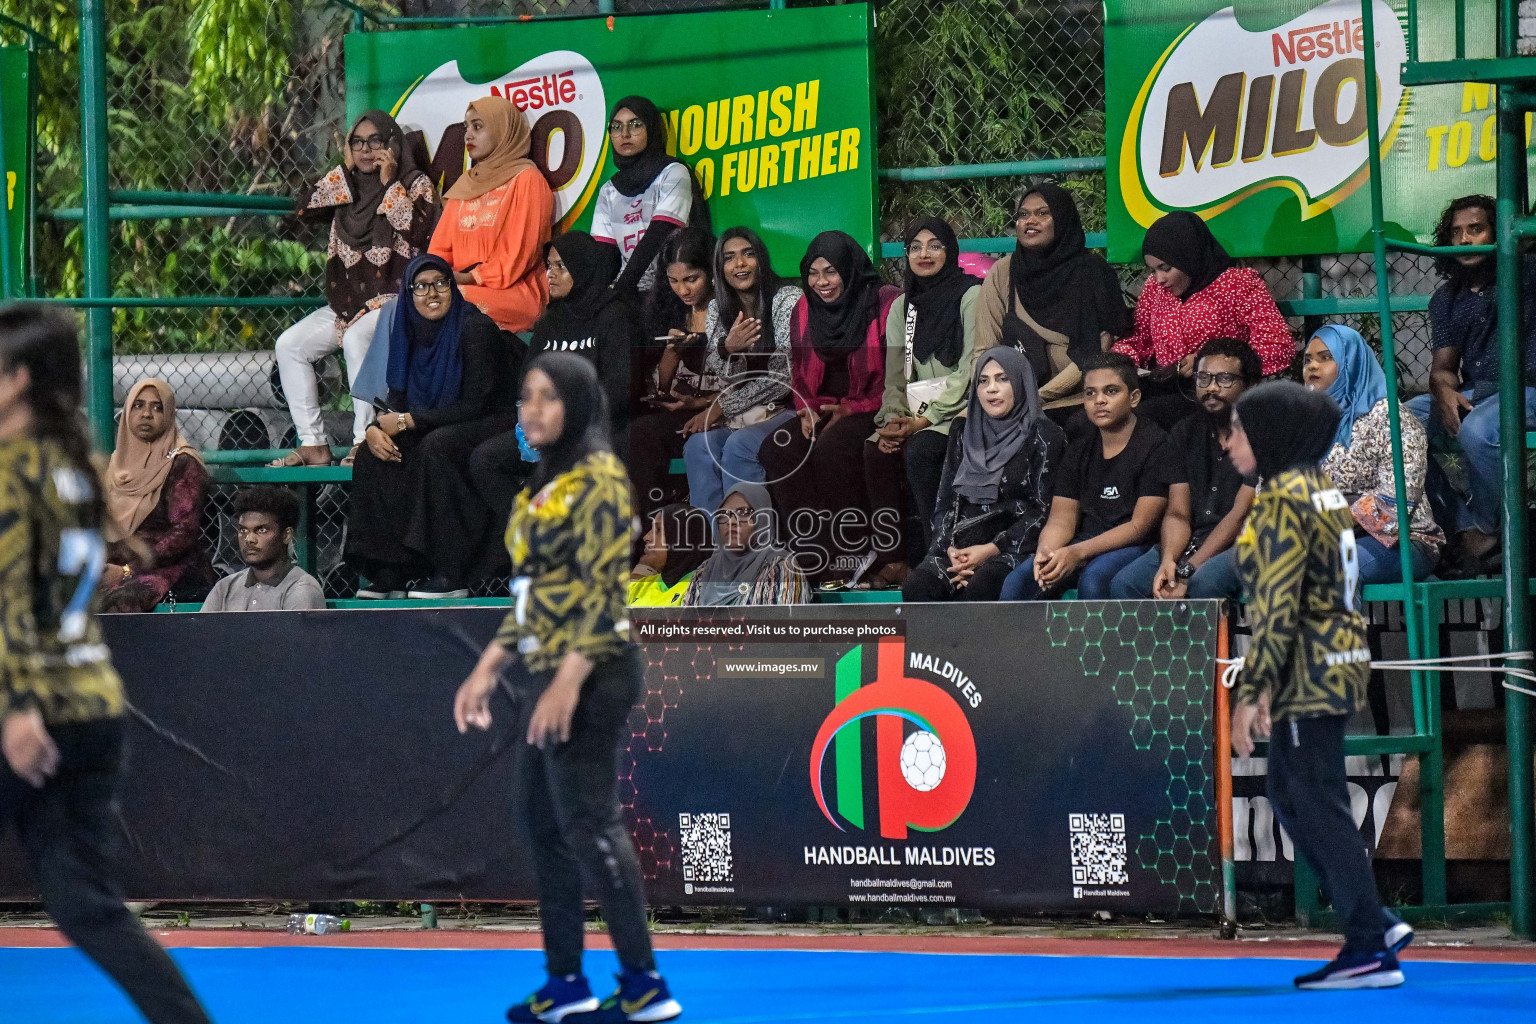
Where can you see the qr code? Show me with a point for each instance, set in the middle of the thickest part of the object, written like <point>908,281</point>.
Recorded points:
<point>706,842</point>
<point>1098,849</point>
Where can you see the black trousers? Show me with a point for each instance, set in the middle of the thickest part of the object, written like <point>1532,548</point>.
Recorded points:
<point>68,830</point>
<point>567,801</point>
<point>924,452</point>
<point>1310,795</point>
<point>930,581</point>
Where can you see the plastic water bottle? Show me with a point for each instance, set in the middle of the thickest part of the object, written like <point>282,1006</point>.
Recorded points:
<point>528,451</point>
<point>316,924</point>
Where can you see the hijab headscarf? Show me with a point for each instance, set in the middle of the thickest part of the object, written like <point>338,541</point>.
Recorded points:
<point>1184,241</point>
<point>1361,382</point>
<point>838,328</point>
<point>726,572</point>
<point>593,266</point>
<point>137,470</point>
<point>937,330</point>
<point>586,415</point>
<point>425,360</point>
<point>685,553</point>
<point>1288,427</point>
<point>359,223</point>
<point>1068,288</point>
<point>636,173</point>
<point>511,142</point>
<point>989,443</point>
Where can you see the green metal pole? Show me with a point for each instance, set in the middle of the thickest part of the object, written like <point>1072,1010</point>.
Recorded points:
<point>605,7</point>
<point>1311,289</point>
<point>1433,817</point>
<point>1517,706</point>
<point>5,210</point>
<point>98,282</point>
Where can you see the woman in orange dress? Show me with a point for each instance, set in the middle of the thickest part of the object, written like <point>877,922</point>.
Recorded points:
<point>497,218</point>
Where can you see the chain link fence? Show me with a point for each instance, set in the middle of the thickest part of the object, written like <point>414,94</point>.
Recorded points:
<point>959,82</point>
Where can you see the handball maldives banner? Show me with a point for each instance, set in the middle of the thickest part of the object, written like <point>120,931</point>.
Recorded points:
<point>1252,114</point>
<point>1030,756</point>
<point>772,109</point>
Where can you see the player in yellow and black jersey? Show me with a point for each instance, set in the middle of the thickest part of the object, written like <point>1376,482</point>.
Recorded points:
<point>61,724</point>
<point>1307,666</point>
<point>579,676</point>
<point>60,700</point>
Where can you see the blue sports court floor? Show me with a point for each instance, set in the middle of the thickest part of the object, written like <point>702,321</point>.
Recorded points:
<point>331,982</point>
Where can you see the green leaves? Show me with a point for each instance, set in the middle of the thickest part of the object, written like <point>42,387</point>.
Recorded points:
<point>237,54</point>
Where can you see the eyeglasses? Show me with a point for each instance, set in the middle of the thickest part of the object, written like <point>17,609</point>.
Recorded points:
<point>424,287</point>
<point>920,248</point>
<point>634,127</point>
<point>373,143</point>
<point>740,515</point>
<point>1221,380</point>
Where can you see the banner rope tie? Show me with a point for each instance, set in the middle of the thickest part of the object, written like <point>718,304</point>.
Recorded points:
<point>1458,663</point>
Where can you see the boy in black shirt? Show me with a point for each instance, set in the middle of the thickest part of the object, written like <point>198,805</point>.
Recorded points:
<point>1207,498</point>
<point>1111,490</point>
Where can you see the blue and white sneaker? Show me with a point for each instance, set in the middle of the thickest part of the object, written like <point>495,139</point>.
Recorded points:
<point>1398,936</point>
<point>557,1000</point>
<point>641,996</point>
<point>1377,969</point>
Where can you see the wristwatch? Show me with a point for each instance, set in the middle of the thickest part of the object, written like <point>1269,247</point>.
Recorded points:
<point>1184,571</point>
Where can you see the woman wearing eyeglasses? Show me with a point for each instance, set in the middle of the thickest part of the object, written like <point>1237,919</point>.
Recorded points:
<point>382,207</point>
<point>414,514</point>
<point>652,195</point>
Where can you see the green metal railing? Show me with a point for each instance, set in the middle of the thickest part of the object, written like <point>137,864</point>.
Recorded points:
<point>1511,224</point>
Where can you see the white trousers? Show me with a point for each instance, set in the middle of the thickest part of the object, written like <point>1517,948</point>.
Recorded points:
<point>306,343</point>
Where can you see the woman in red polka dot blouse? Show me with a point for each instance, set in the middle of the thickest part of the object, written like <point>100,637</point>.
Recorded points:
<point>1195,294</point>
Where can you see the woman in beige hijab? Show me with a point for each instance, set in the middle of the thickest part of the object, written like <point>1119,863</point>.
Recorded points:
<point>497,218</point>
<point>156,490</point>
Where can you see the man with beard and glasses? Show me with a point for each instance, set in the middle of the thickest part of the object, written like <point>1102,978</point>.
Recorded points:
<point>1207,498</point>
<point>265,519</point>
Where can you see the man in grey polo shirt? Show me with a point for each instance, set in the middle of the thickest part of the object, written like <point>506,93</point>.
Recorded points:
<point>265,519</point>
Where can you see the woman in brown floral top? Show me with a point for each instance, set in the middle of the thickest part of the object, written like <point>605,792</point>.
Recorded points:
<point>383,208</point>
<point>1338,361</point>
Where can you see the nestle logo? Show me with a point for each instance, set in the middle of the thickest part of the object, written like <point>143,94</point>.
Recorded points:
<point>1317,42</point>
<point>540,91</point>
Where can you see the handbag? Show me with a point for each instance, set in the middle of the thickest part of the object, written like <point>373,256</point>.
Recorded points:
<point>1376,514</point>
<point>752,415</point>
<point>370,384</point>
<point>920,393</point>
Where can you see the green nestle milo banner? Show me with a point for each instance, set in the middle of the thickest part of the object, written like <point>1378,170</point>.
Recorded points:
<point>15,138</point>
<point>1252,114</point>
<point>772,109</point>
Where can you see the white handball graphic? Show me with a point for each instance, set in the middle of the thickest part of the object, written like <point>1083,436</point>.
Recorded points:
<point>922,761</point>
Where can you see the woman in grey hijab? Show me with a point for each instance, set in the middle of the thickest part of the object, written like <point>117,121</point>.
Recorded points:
<point>748,566</point>
<point>996,491</point>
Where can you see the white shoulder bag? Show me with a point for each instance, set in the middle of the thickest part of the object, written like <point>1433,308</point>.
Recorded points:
<point>920,393</point>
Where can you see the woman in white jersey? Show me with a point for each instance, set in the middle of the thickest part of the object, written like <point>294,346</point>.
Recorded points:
<point>651,196</point>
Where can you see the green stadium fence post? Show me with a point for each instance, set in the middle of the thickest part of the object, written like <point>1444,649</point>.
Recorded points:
<point>98,284</point>
<point>1511,205</point>
<point>1434,873</point>
<point>305,548</point>
<point>1311,288</point>
<point>605,7</point>
<point>5,218</point>
<point>1308,906</point>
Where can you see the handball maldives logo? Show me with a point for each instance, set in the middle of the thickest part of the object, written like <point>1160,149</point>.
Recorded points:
<point>1226,112</point>
<point>562,96</point>
<point>925,754</point>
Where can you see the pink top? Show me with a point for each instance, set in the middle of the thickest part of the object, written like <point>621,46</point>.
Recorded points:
<point>866,366</point>
<point>1235,305</point>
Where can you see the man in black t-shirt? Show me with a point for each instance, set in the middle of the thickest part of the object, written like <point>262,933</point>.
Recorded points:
<point>1110,492</point>
<point>1207,498</point>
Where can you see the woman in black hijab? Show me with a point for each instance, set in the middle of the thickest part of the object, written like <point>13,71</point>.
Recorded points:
<point>930,335</point>
<point>1308,662</point>
<point>997,487</point>
<point>1194,295</point>
<point>565,652</point>
<point>585,317</point>
<point>652,195</point>
<point>368,252</point>
<point>413,513</point>
<point>1053,299</point>
<point>837,362</point>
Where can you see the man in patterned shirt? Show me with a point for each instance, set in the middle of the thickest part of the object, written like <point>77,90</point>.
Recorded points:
<point>1308,663</point>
